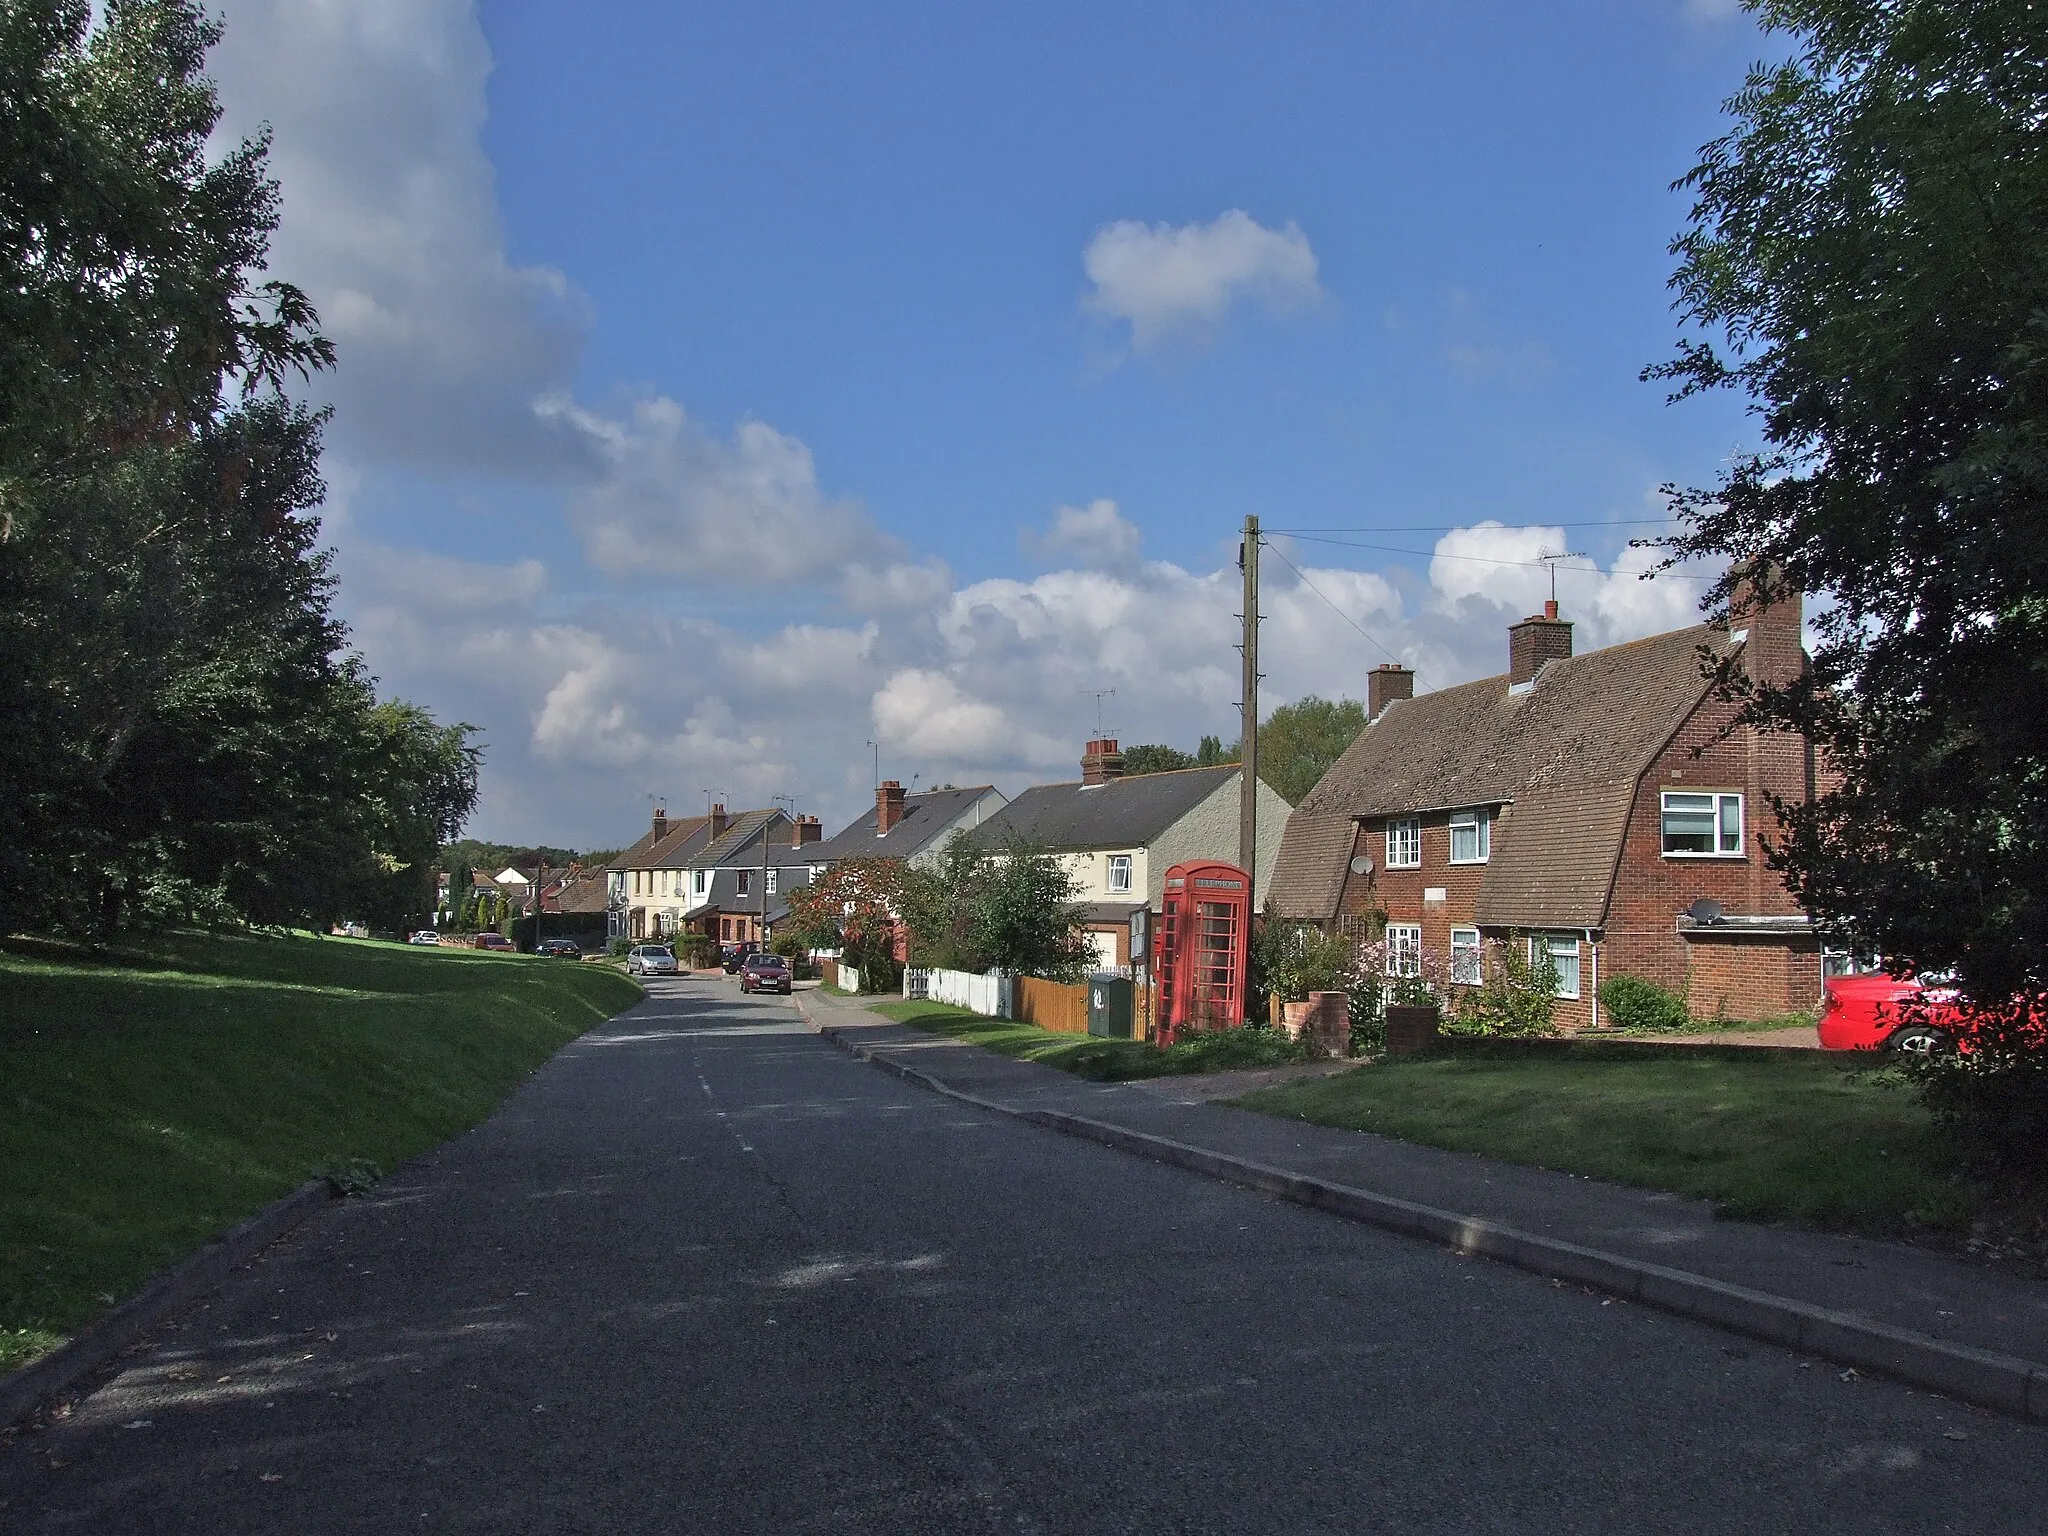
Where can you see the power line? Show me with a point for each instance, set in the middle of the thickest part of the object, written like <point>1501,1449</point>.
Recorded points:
<point>1319,592</point>
<point>1436,554</point>
<point>1606,522</point>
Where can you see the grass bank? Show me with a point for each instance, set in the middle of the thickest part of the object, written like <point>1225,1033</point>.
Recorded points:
<point>1097,1060</point>
<point>153,1097</point>
<point>1765,1135</point>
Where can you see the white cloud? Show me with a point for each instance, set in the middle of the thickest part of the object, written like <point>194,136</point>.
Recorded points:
<point>675,501</point>
<point>928,714</point>
<point>1493,570</point>
<point>896,589</point>
<point>1166,279</point>
<point>1094,535</point>
<point>390,224</point>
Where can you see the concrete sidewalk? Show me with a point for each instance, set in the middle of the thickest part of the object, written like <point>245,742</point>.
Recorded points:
<point>1963,1327</point>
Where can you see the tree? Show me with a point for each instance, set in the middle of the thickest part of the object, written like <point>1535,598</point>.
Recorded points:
<point>978,910</point>
<point>1867,260</point>
<point>1153,758</point>
<point>1298,742</point>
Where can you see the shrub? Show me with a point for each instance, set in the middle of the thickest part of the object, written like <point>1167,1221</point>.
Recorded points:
<point>1517,997</point>
<point>1635,1004</point>
<point>1224,1049</point>
<point>618,946</point>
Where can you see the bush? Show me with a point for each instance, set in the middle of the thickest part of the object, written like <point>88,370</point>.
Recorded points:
<point>1635,1004</point>
<point>1517,997</point>
<point>1252,1046</point>
<point>618,946</point>
<point>696,949</point>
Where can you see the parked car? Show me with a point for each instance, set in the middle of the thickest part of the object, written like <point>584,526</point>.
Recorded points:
<point>565,949</point>
<point>494,941</point>
<point>763,972</point>
<point>1913,1015</point>
<point>733,955</point>
<point>424,936</point>
<point>649,960</point>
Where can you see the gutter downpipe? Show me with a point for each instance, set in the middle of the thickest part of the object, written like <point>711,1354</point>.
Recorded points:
<point>1593,944</point>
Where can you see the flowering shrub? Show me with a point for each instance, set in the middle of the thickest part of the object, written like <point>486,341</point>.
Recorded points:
<point>1517,995</point>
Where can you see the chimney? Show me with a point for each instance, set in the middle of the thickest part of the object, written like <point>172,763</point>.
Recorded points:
<point>718,822</point>
<point>1537,639</point>
<point>1773,615</point>
<point>806,830</point>
<point>660,822</point>
<point>1385,683</point>
<point>1101,762</point>
<point>888,806</point>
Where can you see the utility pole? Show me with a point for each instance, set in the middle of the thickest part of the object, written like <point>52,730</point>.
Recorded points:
<point>1248,748</point>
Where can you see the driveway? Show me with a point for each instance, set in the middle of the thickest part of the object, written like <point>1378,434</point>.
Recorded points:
<point>706,1272</point>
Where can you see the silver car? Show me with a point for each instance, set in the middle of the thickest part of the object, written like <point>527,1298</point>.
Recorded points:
<point>650,960</point>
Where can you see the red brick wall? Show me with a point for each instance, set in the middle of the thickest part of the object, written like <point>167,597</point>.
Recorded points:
<point>1736,976</point>
<point>1398,892</point>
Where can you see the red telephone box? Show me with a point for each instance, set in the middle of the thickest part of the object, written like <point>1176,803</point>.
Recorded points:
<point>1202,948</point>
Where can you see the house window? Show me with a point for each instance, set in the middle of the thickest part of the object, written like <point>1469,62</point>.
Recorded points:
<point>1119,871</point>
<point>1404,949</point>
<point>1465,963</point>
<point>1702,825</point>
<point>1404,843</point>
<point>1563,949</point>
<point>771,880</point>
<point>699,880</point>
<point>1471,837</point>
<point>746,881</point>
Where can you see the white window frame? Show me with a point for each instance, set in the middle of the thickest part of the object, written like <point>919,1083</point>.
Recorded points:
<point>1404,949</point>
<point>1118,876</point>
<point>700,877</point>
<point>1406,852</point>
<point>1721,800</point>
<point>1467,940</point>
<point>772,882</point>
<point>1561,947</point>
<point>746,882</point>
<point>1481,826</point>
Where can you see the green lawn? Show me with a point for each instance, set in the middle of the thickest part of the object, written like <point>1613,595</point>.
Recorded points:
<point>154,1097</point>
<point>1765,1135</point>
<point>1098,1060</point>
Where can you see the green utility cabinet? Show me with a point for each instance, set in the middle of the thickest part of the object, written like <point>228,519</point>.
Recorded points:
<point>1109,1006</point>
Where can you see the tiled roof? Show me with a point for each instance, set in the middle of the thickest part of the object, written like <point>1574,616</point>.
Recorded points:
<point>1563,756</point>
<point>584,893</point>
<point>925,817</point>
<point>1123,813</point>
<point>647,852</point>
<point>1308,874</point>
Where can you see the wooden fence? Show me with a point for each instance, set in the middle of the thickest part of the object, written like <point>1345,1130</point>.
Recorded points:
<point>1052,1005</point>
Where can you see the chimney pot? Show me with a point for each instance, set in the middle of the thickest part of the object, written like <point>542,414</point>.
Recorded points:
<point>889,799</point>
<point>1550,609</point>
<point>1386,683</point>
<point>660,823</point>
<point>1101,762</point>
<point>1540,638</point>
<point>718,822</point>
<point>807,830</point>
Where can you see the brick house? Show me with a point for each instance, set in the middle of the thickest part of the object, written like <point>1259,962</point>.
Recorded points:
<point>1588,804</point>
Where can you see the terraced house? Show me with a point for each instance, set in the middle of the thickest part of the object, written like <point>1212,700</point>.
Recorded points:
<point>1604,808</point>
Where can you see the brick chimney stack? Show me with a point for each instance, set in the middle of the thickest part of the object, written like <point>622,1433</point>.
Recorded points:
<point>1384,684</point>
<point>660,822</point>
<point>1537,639</point>
<point>806,830</point>
<point>888,806</point>
<point>718,822</point>
<point>1101,762</point>
<point>1774,616</point>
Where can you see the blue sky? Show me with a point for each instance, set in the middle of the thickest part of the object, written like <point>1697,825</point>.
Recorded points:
<point>725,387</point>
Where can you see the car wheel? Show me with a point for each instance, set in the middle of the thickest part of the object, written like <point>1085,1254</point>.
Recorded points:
<point>1918,1040</point>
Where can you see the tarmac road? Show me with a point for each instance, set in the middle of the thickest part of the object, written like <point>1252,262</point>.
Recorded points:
<point>706,1272</point>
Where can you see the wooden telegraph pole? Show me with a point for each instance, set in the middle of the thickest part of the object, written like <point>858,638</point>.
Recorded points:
<point>1248,750</point>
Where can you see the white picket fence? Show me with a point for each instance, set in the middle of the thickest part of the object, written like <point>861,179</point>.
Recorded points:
<point>989,995</point>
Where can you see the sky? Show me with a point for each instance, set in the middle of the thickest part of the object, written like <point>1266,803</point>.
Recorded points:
<point>731,397</point>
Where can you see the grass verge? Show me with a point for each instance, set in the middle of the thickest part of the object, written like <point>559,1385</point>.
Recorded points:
<point>153,1096</point>
<point>1785,1136</point>
<point>1093,1058</point>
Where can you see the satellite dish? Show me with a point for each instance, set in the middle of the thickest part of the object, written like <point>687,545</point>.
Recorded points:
<point>1361,865</point>
<point>1704,910</point>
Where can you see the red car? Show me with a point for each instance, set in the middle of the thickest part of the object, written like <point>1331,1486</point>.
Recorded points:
<point>1868,1013</point>
<point>761,972</point>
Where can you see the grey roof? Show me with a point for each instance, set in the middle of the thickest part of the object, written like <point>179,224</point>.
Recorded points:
<point>1123,813</point>
<point>925,817</point>
<point>649,851</point>
<point>722,892</point>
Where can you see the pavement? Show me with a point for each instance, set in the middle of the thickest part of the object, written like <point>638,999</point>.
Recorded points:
<point>707,1271</point>
<point>1973,1304</point>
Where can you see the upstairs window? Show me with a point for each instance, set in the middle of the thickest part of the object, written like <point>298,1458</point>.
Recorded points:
<point>1702,826</point>
<point>746,881</point>
<point>772,881</point>
<point>1471,837</point>
<point>1404,843</point>
<point>699,880</point>
<point>1120,872</point>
